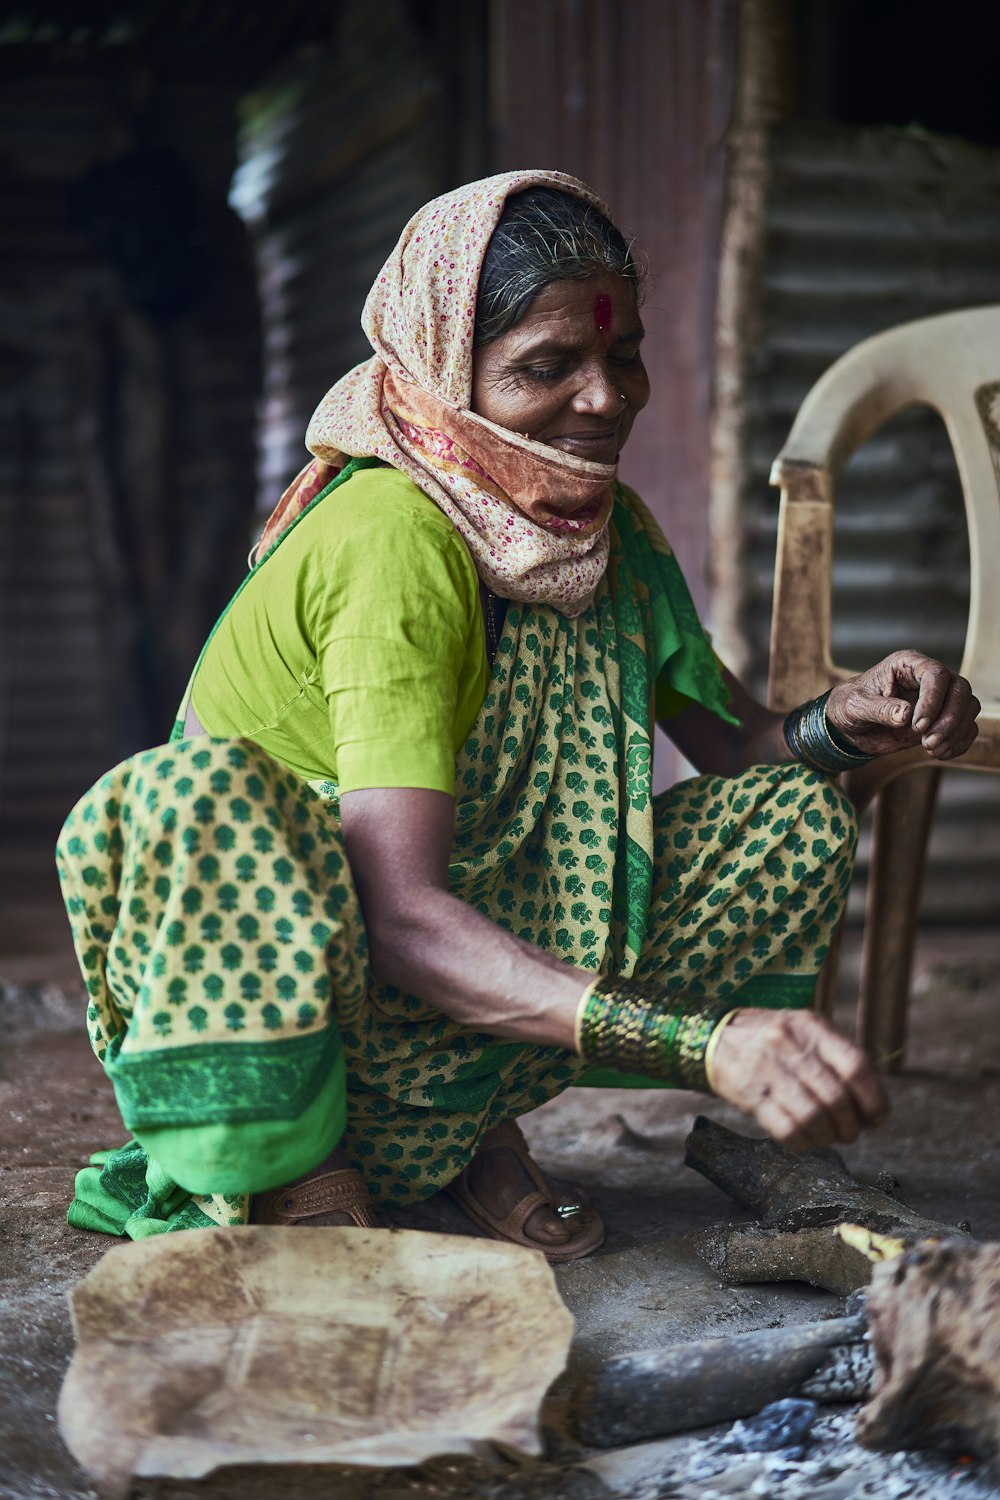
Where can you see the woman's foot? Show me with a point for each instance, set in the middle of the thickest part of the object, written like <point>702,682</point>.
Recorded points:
<point>498,1181</point>
<point>505,1195</point>
<point>331,1195</point>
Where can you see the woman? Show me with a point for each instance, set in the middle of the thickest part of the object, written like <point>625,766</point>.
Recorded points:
<point>416,882</point>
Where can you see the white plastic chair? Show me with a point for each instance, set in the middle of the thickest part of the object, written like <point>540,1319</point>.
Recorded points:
<point>951,363</point>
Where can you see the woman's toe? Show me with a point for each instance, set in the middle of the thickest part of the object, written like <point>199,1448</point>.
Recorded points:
<point>544,1225</point>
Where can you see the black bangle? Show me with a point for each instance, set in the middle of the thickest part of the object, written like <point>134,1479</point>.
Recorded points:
<point>812,741</point>
<point>639,1027</point>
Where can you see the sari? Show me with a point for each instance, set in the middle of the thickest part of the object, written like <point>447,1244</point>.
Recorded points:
<point>224,952</point>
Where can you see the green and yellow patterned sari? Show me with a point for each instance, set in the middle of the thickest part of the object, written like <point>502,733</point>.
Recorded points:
<point>225,957</point>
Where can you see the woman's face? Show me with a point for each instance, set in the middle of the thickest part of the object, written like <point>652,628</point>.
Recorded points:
<point>570,373</point>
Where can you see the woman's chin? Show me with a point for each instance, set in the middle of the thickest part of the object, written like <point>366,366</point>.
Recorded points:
<point>581,520</point>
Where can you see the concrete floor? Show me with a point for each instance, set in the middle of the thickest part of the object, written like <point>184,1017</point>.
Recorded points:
<point>645,1287</point>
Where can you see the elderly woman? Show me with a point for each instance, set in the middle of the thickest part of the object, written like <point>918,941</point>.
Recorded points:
<point>400,875</point>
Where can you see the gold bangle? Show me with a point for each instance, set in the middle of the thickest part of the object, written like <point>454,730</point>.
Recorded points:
<point>713,1042</point>
<point>640,1026</point>
<point>578,1019</point>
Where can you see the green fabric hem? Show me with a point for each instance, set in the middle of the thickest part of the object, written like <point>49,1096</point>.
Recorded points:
<point>252,1156</point>
<point>610,1078</point>
<point>123,1192</point>
<point>475,1084</point>
<point>133,1193</point>
<point>629,912</point>
<point>228,1083</point>
<point>777,991</point>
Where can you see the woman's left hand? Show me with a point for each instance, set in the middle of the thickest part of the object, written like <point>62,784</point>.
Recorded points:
<point>907,699</point>
<point>798,1078</point>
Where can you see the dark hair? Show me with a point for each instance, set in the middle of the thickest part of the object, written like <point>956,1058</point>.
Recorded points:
<point>545,235</point>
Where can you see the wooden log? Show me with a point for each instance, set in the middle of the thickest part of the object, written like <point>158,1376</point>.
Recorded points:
<point>799,1200</point>
<point>659,1391</point>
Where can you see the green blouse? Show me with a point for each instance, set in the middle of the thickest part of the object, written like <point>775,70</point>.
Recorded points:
<point>357,651</point>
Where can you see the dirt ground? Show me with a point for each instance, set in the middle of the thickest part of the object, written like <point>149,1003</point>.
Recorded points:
<point>645,1287</point>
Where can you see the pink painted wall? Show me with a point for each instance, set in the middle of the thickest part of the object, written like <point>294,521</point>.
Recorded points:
<point>635,97</point>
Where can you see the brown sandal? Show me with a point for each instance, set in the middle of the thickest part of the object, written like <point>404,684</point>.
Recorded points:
<point>340,1191</point>
<point>511,1226</point>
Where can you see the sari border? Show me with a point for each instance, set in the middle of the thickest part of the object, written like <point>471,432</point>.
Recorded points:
<point>230,1083</point>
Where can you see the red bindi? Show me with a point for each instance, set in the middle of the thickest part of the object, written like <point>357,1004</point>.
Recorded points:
<point>602,312</point>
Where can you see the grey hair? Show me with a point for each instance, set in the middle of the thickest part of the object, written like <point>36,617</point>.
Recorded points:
<point>545,235</point>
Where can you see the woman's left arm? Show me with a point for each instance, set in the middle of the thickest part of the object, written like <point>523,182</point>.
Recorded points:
<point>904,700</point>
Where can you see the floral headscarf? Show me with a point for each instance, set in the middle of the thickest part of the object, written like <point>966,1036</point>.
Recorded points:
<point>409,405</point>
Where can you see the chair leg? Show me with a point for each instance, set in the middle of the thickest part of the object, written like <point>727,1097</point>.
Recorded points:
<point>826,980</point>
<point>900,827</point>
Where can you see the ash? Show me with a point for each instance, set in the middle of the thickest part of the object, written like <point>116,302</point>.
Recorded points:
<point>824,1464</point>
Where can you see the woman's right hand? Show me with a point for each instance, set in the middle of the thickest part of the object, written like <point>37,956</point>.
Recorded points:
<point>801,1080</point>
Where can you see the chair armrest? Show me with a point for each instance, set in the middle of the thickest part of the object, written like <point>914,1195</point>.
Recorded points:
<point>801,480</point>
<point>800,664</point>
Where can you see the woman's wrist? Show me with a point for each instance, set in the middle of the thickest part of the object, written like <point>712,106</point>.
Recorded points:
<point>813,740</point>
<point>581,1010</point>
<point>713,1043</point>
<point>637,1026</point>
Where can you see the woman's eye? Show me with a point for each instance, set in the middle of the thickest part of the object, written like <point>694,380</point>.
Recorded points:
<point>545,372</point>
<point>624,356</point>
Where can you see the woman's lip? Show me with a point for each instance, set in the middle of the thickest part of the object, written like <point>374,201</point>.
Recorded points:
<point>587,442</point>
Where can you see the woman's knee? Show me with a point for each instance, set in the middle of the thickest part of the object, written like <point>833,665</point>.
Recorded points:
<point>823,806</point>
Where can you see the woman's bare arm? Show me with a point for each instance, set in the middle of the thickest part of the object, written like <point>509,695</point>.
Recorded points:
<point>433,945</point>
<point>720,749</point>
<point>800,1080</point>
<point>904,700</point>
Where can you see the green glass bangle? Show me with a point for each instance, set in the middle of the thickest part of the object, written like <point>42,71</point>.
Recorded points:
<point>812,741</point>
<point>636,1026</point>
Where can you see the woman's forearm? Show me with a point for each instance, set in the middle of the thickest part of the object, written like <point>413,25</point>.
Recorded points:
<point>719,749</point>
<point>431,944</point>
<point>762,744</point>
<point>445,952</point>
<point>905,700</point>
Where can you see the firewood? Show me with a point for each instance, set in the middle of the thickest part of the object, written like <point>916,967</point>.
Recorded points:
<point>800,1200</point>
<point>935,1329</point>
<point>659,1391</point>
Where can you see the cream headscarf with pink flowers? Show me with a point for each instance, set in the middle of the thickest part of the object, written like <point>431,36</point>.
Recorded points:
<point>409,406</point>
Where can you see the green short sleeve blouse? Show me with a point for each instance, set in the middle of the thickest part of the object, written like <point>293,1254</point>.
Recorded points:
<point>357,651</point>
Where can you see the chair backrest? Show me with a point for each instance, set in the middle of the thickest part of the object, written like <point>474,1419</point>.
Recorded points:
<point>951,363</point>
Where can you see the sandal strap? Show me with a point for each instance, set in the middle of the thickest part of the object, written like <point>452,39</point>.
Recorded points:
<point>511,1226</point>
<point>340,1191</point>
<point>510,1137</point>
<point>589,1232</point>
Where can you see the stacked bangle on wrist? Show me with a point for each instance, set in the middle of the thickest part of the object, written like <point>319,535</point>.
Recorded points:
<point>812,741</point>
<point>713,1043</point>
<point>637,1026</point>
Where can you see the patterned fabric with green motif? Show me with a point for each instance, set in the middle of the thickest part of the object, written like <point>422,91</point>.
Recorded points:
<point>225,956</point>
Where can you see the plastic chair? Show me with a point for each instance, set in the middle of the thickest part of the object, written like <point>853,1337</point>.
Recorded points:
<point>950,363</point>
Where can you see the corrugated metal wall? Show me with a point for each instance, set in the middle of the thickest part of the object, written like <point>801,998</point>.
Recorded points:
<point>337,153</point>
<point>866,229</point>
<point>76,357</point>
<point>53,688</point>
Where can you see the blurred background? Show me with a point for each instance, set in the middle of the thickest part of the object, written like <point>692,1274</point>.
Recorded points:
<point>195,196</point>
